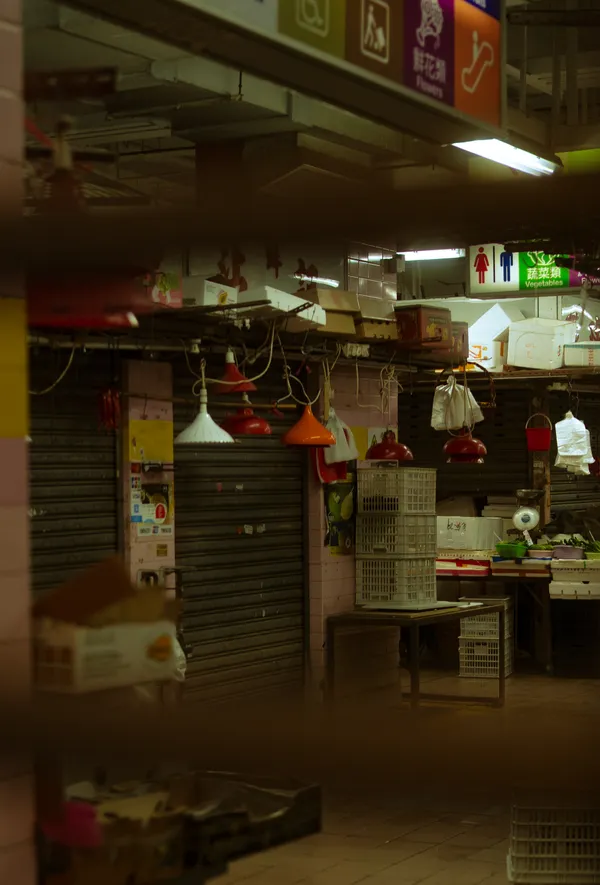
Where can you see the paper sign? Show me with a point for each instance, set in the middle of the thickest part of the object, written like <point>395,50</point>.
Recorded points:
<point>151,441</point>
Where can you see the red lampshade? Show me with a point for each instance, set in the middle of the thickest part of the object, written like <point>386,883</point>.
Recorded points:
<point>246,423</point>
<point>464,449</point>
<point>389,450</point>
<point>233,381</point>
<point>308,431</point>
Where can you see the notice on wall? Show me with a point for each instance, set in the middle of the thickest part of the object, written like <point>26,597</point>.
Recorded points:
<point>339,508</point>
<point>151,441</point>
<point>365,437</point>
<point>151,506</point>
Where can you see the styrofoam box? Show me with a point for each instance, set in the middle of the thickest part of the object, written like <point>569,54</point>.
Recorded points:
<point>583,354</point>
<point>278,303</point>
<point>71,659</point>
<point>539,343</point>
<point>574,590</point>
<point>198,292</point>
<point>484,334</point>
<point>469,532</point>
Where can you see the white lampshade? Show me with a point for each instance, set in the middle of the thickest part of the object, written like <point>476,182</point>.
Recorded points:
<point>203,429</point>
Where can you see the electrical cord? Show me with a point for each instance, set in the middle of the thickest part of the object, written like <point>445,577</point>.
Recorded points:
<point>58,380</point>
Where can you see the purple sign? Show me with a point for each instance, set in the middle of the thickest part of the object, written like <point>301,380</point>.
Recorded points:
<point>429,48</point>
<point>577,279</point>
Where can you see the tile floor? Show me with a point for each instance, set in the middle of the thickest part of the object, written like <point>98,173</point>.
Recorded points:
<point>404,841</point>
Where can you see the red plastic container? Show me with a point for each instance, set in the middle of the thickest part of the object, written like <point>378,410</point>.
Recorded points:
<point>539,438</point>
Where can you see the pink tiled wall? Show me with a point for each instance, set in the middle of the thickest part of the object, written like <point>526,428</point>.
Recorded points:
<point>17,864</point>
<point>332,578</point>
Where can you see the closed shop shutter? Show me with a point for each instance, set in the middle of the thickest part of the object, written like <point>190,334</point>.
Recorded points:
<point>506,467</point>
<point>569,492</point>
<point>239,522</point>
<point>74,494</point>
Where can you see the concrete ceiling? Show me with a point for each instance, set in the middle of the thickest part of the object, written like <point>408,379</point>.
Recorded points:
<point>167,103</point>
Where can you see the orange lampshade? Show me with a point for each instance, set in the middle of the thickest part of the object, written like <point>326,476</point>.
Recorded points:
<point>233,381</point>
<point>308,431</point>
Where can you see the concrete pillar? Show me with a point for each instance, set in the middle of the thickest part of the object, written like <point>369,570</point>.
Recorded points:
<point>17,863</point>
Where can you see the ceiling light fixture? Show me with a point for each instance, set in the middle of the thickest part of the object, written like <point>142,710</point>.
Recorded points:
<point>433,254</point>
<point>389,450</point>
<point>245,422</point>
<point>464,449</point>
<point>508,155</point>
<point>203,430</point>
<point>308,431</point>
<point>233,381</point>
<point>321,281</point>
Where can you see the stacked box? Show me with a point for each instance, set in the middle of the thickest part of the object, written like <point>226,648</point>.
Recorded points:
<point>479,642</point>
<point>396,536</point>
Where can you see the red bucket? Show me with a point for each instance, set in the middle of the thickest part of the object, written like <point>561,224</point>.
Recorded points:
<point>539,438</point>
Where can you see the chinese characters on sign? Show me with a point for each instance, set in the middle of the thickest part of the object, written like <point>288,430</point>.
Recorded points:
<point>493,269</point>
<point>429,48</point>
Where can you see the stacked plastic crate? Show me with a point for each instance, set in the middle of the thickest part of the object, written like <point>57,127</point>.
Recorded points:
<point>479,643</point>
<point>554,845</point>
<point>396,536</point>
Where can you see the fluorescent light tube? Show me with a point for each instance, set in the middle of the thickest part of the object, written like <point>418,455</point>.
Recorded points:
<point>322,281</point>
<point>433,254</point>
<point>507,155</point>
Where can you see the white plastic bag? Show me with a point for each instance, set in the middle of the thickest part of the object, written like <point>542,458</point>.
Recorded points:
<point>574,446</point>
<point>345,447</point>
<point>454,407</point>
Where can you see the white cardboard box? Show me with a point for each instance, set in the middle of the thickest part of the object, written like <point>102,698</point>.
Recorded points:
<point>539,343</point>
<point>485,335</point>
<point>198,292</point>
<point>278,303</point>
<point>72,660</point>
<point>468,532</point>
<point>583,354</point>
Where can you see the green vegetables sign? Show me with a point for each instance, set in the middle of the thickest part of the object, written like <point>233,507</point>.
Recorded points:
<point>537,270</point>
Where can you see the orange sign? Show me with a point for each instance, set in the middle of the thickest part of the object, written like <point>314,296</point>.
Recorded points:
<point>477,63</point>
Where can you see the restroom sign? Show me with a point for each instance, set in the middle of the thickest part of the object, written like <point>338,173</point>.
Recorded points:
<point>493,269</point>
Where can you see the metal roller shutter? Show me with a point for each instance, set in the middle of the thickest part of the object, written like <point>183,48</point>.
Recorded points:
<point>74,494</point>
<point>244,593</point>
<point>504,470</point>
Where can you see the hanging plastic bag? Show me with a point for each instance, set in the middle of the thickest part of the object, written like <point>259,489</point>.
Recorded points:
<point>454,407</point>
<point>573,445</point>
<point>345,447</point>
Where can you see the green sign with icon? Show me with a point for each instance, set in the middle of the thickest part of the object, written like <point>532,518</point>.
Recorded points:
<point>537,270</point>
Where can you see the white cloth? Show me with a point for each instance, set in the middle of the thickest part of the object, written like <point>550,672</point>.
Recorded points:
<point>344,448</point>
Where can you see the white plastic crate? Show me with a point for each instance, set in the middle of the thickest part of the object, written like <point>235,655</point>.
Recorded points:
<point>554,845</point>
<point>479,658</point>
<point>405,581</point>
<point>396,490</point>
<point>393,535</point>
<point>487,626</point>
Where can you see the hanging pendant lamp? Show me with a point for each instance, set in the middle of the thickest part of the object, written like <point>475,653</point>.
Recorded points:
<point>389,450</point>
<point>233,381</point>
<point>308,431</point>
<point>464,449</point>
<point>203,430</point>
<point>245,422</point>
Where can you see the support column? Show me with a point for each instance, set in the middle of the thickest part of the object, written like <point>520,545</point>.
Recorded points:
<point>17,859</point>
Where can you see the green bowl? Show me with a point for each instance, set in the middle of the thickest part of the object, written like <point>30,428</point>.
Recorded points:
<point>511,551</point>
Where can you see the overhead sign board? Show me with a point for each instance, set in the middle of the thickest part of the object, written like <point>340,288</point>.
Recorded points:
<point>446,51</point>
<point>493,269</point>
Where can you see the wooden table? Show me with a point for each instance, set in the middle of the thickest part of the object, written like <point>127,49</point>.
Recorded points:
<point>413,621</point>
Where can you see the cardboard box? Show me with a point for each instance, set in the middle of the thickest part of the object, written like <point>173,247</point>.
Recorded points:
<point>539,343</point>
<point>198,292</point>
<point>488,329</point>
<point>334,300</point>
<point>376,308</point>
<point>383,331</point>
<point>338,324</point>
<point>98,632</point>
<point>423,327</point>
<point>584,354</point>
